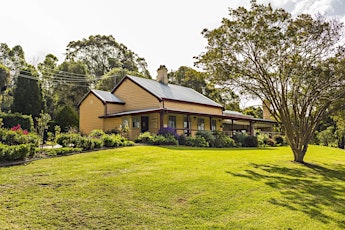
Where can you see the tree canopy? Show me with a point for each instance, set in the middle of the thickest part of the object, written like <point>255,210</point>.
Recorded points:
<point>103,53</point>
<point>296,65</point>
<point>189,77</point>
<point>27,96</point>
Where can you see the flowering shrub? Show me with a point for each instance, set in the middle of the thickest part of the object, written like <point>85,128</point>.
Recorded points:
<point>168,132</point>
<point>18,129</point>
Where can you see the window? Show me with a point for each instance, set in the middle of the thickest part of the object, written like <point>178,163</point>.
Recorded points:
<point>201,124</point>
<point>186,125</point>
<point>136,122</point>
<point>172,122</point>
<point>213,125</point>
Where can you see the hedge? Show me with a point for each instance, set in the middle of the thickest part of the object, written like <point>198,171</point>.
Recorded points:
<point>10,120</point>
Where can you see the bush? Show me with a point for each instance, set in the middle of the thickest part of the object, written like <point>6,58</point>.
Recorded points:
<point>10,137</point>
<point>165,132</point>
<point>197,141</point>
<point>16,152</point>
<point>67,117</point>
<point>207,135</point>
<point>279,140</point>
<point>182,139</point>
<point>144,138</point>
<point>97,133</point>
<point>221,140</point>
<point>243,140</point>
<point>59,151</point>
<point>116,140</point>
<point>162,140</point>
<point>250,141</point>
<point>10,120</point>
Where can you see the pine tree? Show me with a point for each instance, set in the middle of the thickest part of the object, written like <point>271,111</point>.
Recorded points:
<point>27,96</point>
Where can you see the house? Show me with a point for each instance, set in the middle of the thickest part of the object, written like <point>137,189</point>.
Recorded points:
<point>148,105</point>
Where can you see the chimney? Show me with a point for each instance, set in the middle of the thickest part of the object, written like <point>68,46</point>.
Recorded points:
<point>162,76</point>
<point>265,109</point>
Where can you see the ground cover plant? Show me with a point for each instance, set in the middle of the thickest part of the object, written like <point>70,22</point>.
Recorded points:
<point>175,187</point>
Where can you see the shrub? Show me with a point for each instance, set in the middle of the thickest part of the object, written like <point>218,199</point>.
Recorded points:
<point>197,141</point>
<point>10,120</point>
<point>144,138</point>
<point>59,151</point>
<point>250,141</point>
<point>182,139</point>
<point>221,140</point>
<point>97,133</point>
<point>116,140</point>
<point>208,136</point>
<point>162,140</point>
<point>16,152</point>
<point>67,117</point>
<point>10,137</point>
<point>243,140</point>
<point>165,132</point>
<point>279,140</point>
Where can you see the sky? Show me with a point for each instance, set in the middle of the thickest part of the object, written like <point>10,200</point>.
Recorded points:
<point>164,32</point>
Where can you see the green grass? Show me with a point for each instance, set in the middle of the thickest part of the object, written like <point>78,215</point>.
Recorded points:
<point>146,187</point>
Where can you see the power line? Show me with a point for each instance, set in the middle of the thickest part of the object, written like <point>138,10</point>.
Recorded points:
<point>55,81</point>
<point>59,75</point>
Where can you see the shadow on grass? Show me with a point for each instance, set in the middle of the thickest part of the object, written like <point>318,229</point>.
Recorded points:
<point>182,147</point>
<point>314,190</point>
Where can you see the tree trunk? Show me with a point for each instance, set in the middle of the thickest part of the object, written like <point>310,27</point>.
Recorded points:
<point>299,153</point>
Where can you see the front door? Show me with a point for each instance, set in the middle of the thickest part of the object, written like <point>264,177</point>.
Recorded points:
<point>144,124</point>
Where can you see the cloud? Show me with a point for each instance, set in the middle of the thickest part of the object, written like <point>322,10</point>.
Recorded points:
<point>330,8</point>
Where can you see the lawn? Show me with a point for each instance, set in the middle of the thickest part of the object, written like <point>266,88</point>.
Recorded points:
<point>146,187</point>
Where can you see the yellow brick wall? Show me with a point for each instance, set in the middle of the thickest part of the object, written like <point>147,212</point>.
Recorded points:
<point>114,108</point>
<point>89,111</point>
<point>112,123</point>
<point>193,107</point>
<point>136,98</point>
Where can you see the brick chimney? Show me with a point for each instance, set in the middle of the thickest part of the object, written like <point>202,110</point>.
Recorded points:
<point>162,76</point>
<point>265,110</point>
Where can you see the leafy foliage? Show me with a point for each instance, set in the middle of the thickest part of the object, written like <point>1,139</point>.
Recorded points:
<point>67,117</point>
<point>103,53</point>
<point>12,119</point>
<point>27,96</point>
<point>189,77</point>
<point>294,64</point>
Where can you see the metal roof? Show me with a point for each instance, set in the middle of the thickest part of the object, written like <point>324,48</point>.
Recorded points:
<point>107,96</point>
<point>172,92</point>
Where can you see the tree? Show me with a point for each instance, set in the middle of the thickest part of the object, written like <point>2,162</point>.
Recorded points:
<point>72,82</point>
<point>253,111</point>
<point>103,53</point>
<point>47,70</point>
<point>4,81</point>
<point>14,60</point>
<point>191,78</point>
<point>67,118</point>
<point>294,64</point>
<point>42,125</point>
<point>27,96</point>
<point>108,81</point>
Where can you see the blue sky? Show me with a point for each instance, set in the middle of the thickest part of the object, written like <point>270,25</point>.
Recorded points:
<point>162,31</point>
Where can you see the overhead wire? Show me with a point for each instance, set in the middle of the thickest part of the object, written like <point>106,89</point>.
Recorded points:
<point>55,81</point>
<point>64,78</point>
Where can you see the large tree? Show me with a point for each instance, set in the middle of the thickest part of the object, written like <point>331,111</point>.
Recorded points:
<point>103,53</point>
<point>48,71</point>
<point>27,95</point>
<point>189,77</point>
<point>293,64</point>
<point>14,60</point>
<point>71,83</point>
